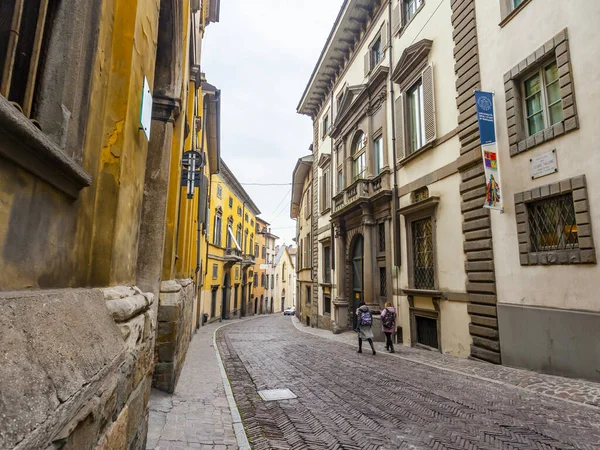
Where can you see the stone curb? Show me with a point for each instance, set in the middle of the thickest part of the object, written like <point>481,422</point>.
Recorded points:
<point>296,323</point>
<point>238,426</point>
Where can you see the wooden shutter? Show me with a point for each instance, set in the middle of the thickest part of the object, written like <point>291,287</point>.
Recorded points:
<point>368,63</point>
<point>385,39</point>
<point>399,124</point>
<point>396,18</point>
<point>429,104</point>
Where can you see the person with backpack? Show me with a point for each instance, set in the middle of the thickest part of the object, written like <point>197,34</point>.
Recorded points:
<point>388,324</point>
<point>365,321</point>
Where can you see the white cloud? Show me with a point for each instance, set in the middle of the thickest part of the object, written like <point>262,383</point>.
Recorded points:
<point>261,55</point>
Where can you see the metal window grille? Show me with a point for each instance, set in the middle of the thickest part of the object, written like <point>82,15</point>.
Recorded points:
<point>422,241</point>
<point>327,264</point>
<point>25,26</point>
<point>327,304</point>
<point>381,235</point>
<point>307,294</point>
<point>382,282</point>
<point>552,224</point>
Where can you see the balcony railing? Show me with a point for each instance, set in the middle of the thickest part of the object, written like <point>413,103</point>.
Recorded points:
<point>248,260</point>
<point>232,256</point>
<point>362,190</point>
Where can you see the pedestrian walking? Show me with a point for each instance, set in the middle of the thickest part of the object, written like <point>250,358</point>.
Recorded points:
<point>388,324</point>
<point>365,321</point>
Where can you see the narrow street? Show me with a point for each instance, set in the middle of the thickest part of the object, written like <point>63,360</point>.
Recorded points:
<point>347,400</point>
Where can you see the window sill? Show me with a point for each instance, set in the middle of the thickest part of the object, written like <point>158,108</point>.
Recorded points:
<point>423,293</point>
<point>416,154</point>
<point>547,135</point>
<point>31,149</point>
<point>559,257</point>
<point>326,210</point>
<point>513,13</point>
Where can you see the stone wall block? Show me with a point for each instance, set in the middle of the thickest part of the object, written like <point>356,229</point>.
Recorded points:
<point>115,437</point>
<point>133,332</point>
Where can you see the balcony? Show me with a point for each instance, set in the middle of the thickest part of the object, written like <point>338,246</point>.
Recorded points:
<point>362,190</point>
<point>248,260</point>
<point>232,256</point>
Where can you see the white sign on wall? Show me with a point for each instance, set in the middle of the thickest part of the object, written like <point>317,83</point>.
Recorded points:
<point>543,164</point>
<point>146,109</point>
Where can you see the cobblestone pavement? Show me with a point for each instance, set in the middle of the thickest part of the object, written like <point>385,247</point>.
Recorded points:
<point>579,391</point>
<point>353,401</point>
<point>197,415</point>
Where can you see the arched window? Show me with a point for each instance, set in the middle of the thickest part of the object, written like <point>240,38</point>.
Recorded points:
<point>229,232</point>
<point>238,235</point>
<point>283,273</point>
<point>359,156</point>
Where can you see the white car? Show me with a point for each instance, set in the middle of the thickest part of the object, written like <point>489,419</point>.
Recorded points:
<point>290,311</point>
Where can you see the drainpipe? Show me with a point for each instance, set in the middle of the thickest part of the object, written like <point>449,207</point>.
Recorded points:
<point>395,221</point>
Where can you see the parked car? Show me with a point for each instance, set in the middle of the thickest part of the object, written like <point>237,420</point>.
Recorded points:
<point>290,311</point>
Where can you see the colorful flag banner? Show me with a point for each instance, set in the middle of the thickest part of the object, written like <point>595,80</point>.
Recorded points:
<point>489,147</point>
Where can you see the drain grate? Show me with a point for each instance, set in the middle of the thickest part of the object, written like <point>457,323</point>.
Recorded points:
<point>270,395</point>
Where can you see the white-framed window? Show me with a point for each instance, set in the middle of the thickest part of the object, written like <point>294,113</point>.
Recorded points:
<point>340,180</point>
<point>542,98</point>
<point>376,52</point>
<point>515,3</point>
<point>217,230</point>
<point>215,271</point>
<point>378,153</point>
<point>410,8</point>
<point>415,117</point>
<point>325,125</point>
<point>219,191</point>
<point>359,156</point>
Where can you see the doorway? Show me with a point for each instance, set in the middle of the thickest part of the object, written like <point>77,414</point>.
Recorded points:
<point>283,300</point>
<point>357,277</point>
<point>213,303</point>
<point>226,296</point>
<point>244,295</point>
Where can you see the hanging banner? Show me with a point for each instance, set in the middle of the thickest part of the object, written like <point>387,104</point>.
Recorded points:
<point>489,147</point>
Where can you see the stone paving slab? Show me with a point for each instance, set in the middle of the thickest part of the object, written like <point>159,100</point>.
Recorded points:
<point>360,401</point>
<point>580,391</point>
<point>198,414</point>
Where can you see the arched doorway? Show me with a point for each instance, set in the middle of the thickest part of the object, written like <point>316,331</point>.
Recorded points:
<point>226,296</point>
<point>262,304</point>
<point>357,276</point>
<point>283,300</point>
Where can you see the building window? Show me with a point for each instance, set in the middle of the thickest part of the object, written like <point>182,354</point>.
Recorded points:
<point>359,156</point>
<point>262,279</point>
<point>24,30</point>
<point>256,248</point>
<point>410,9</point>
<point>515,3</point>
<point>255,279</point>
<point>327,303</point>
<point>376,53</point>
<point>251,222</point>
<point>307,294</point>
<point>340,180</point>
<point>246,217</point>
<point>378,153</point>
<point>552,224</point>
<point>251,247</point>
<point>237,273</point>
<point>238,235</point>
<point>327,264</point>
<point>283,273</point>
<point>540,96</point>
<point>272,281</point>
<point>415,117</point>
<point>239,211</point>
<point>231,202</point>
<point>422,243</point>
<point>218,230</point>
<point>215,271</point>
<point>325,190</point>
<point>219,191</point>
<point>264,253</point>
<point>228,240</point>
<point>307,202</point>
<point>382,282</point>
<point>543,103</point>
<point>381,237</point>
<point>325,125</point>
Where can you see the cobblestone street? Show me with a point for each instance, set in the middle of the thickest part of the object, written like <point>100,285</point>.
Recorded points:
<point>414,399</point>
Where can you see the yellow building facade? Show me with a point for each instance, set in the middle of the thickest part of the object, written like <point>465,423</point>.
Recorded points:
<point>230,260</point>
<point>98,103</point>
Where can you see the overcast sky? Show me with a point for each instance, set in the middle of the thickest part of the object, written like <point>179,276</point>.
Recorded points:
<point>261,55</point>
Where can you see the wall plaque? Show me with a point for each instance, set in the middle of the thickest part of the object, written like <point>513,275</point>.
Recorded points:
<point>543,164</point>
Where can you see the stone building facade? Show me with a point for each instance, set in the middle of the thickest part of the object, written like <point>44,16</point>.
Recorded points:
<point>83,206</point>
<point>396,138</point>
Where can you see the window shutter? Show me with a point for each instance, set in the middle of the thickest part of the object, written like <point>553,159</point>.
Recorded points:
<point>396,18</point>
<point>399,119</point>
<point>367,63</point>
<point>385,39</point>
<point>429,104</point>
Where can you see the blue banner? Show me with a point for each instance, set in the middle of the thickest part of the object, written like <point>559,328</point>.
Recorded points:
<point>484,102</point>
